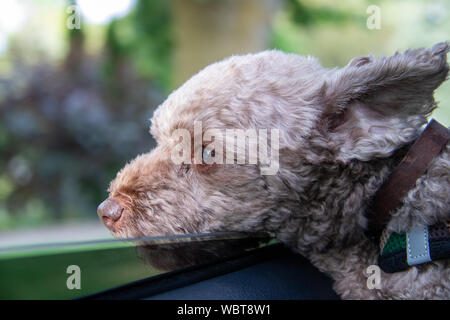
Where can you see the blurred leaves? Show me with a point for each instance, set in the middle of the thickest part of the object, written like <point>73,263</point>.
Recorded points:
<point>6,187</point>
<point>306,14</point>
<point>66,129</point>
<point>145,38</point>
<point>63,142</point>
<point>35,212</point>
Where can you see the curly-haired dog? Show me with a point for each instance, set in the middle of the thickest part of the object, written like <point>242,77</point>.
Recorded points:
<point>341,131</point>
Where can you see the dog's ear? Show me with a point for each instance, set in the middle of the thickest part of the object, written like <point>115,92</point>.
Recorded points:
<point>373,106</point>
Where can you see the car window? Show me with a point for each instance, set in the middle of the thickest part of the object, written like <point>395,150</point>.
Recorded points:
<point>73,270</point>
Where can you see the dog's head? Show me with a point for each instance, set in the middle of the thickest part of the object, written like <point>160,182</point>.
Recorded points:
<point>206,175</point>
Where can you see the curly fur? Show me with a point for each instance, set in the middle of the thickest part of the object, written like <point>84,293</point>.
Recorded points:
<point>341,133</point>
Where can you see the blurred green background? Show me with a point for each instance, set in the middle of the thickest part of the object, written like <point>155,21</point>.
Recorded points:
<point>75,104</point>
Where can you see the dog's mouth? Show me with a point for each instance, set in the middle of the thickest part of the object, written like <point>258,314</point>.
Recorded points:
<point>121,220</point>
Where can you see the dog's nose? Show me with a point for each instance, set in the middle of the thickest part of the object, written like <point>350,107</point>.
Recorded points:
<point>109,211</point>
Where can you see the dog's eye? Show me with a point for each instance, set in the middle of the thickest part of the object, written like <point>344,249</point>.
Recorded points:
<point>207,154</point>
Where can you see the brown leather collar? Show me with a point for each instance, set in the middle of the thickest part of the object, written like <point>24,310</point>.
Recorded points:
<point>404,176</point>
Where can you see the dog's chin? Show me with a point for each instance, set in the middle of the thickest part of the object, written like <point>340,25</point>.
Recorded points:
<point>123,231</point>
<point>119,234</point>
<point>119,230</point>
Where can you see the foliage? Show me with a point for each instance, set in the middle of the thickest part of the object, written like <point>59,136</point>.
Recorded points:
<point>306,15</point>
<point>62,143</point>
<point>144,37</point>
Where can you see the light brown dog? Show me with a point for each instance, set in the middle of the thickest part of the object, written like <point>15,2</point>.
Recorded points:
<point>340,133</point>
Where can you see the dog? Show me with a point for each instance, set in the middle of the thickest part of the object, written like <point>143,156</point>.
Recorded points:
<point>340,133</point>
